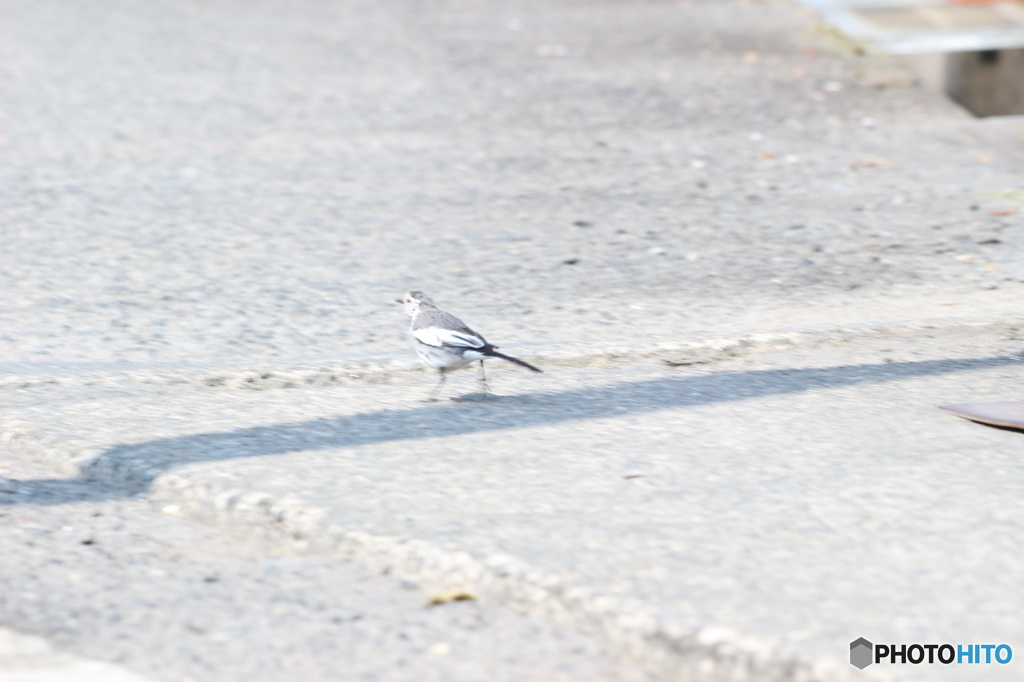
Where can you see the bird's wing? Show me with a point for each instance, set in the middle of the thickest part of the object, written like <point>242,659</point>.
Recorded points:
<point>438,328</point>
<point>456,338</point>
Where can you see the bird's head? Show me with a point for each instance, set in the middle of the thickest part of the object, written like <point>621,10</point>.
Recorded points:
<point>413,300</point>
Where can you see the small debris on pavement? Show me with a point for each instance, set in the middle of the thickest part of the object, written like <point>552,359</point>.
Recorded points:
<point>446,597</point>
<point>876,161</point>
<point>440,649</point>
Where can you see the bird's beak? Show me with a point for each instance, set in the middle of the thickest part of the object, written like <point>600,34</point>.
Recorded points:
<point>398,300</point>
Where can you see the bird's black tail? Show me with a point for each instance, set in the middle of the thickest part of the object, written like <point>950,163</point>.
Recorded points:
<point>495,354</point>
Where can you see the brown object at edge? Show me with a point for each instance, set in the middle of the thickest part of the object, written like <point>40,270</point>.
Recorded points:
<point>1006,414</point>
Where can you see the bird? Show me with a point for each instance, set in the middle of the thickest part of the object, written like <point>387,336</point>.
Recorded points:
<point>445,342</point>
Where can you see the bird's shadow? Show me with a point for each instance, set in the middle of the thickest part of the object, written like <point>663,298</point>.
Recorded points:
<point>136,465</point>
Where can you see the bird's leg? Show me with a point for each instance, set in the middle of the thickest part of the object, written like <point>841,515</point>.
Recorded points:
<point>483,377</point>
<point>433,394</point>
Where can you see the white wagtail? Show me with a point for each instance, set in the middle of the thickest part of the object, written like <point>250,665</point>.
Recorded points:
<point>445,343</point>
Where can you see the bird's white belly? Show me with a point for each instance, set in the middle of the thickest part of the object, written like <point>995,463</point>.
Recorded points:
<point>446,358</point>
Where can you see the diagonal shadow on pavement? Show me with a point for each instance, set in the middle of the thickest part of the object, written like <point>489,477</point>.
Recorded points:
<point>135,466</point>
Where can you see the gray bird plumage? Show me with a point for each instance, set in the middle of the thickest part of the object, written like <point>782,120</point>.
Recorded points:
<point>445,342</point>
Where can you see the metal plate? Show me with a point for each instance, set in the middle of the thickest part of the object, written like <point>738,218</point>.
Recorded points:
<point>1008,414</point>
<point>928,26</point>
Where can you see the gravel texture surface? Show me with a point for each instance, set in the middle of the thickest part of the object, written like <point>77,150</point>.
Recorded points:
<point>118,578</point>
<point>205,196</point>
<point>208,181</point>
<point>755,514</point>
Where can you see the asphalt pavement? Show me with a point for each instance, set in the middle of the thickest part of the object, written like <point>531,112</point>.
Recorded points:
<point>751,261</point>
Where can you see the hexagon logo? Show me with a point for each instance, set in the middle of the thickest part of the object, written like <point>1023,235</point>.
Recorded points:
<point>861,651</point>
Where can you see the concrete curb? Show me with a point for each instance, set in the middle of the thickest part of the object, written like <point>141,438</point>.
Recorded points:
<point>702,349</point>
<point>631,629</point>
